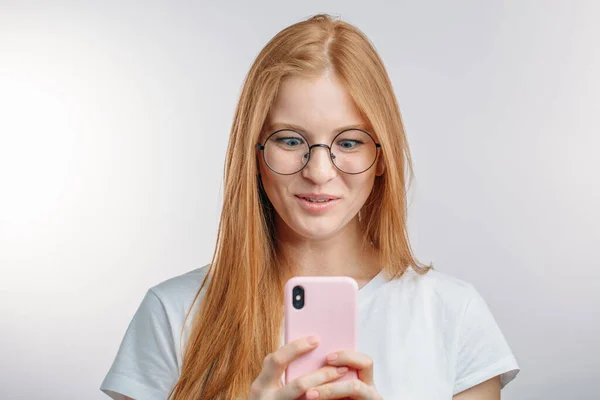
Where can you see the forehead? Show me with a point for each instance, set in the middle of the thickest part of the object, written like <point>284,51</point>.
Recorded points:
<point>314,105</point>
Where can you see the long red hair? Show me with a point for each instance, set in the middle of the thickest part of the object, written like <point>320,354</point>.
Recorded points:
<point>240,315</point>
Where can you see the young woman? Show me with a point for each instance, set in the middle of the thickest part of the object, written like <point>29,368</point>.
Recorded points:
<point>314,185</point>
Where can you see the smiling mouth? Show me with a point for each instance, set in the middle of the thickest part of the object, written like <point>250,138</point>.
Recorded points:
<point>313,205</point>
<point>316,201</point>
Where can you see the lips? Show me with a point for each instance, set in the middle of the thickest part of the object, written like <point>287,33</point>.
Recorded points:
<point>316,197</point>
<point>318,206</point>
<point>316,200</point>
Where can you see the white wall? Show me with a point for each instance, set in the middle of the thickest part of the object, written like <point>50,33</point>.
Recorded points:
<point>114,120</point>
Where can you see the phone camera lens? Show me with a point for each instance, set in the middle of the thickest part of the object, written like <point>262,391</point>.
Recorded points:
<point>298,297</point>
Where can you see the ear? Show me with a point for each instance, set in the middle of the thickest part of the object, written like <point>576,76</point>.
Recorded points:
<point>380,167</point>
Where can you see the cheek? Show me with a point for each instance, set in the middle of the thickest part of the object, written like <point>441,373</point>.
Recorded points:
<point>265,175</point>
<point>273,185</point>
<point>362,187</point>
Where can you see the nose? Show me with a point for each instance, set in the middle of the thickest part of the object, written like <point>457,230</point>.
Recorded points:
<point>320,168</point>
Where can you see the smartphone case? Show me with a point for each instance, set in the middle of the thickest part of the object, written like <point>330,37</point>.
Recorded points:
<point>330,312</point>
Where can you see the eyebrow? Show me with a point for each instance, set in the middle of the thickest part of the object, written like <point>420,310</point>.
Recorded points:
<point>285,125</point>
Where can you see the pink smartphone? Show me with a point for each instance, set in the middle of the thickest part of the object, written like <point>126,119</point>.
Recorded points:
<point>325,306</point>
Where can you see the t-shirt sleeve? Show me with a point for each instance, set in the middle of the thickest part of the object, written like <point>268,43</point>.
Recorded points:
<point>145,367</point>
<point>483,352</point>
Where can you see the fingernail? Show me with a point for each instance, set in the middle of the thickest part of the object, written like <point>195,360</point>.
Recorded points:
<point>342,370</point>
<point>332,356</point>
<point>312,340</point>
<point>312,394</point>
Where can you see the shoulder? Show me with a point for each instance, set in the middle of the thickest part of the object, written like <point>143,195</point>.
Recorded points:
<point>149,357</point>
<point>434,295</point>
<point>182,285</point>
<point>474,339</point>
<point>435,285</point>
<point>177,294</point>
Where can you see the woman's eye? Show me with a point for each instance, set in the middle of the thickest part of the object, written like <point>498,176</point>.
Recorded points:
<point>349,144</point>
<point>292,142</point>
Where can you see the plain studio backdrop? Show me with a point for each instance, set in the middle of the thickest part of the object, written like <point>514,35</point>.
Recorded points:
<point>114,121</point>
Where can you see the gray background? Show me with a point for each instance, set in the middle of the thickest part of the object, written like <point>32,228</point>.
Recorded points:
<point>113,128</point>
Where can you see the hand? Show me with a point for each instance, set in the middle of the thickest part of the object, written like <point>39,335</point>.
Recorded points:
<point>362,388</point>
<point>268,384</point>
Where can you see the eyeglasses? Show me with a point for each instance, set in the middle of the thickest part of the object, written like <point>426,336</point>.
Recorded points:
<point>352,151</point>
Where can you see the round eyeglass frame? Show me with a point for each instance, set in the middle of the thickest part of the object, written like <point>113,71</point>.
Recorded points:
<point>310,147</point>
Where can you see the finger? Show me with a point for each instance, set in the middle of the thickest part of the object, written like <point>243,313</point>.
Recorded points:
<point>354,359</point>
<point>275,363</point>
<point>299,386</point>
<point>354,389</point>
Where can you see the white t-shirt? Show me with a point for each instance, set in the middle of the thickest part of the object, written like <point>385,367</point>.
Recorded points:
<point>430,336</point>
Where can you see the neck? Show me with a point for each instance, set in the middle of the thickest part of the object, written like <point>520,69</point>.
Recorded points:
<point>339,255</point>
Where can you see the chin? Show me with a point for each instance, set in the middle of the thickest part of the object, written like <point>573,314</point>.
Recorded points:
<point>315,235</point>
<point>315,229</point>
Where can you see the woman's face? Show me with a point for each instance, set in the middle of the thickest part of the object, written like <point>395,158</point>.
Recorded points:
<point>321,107</point>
